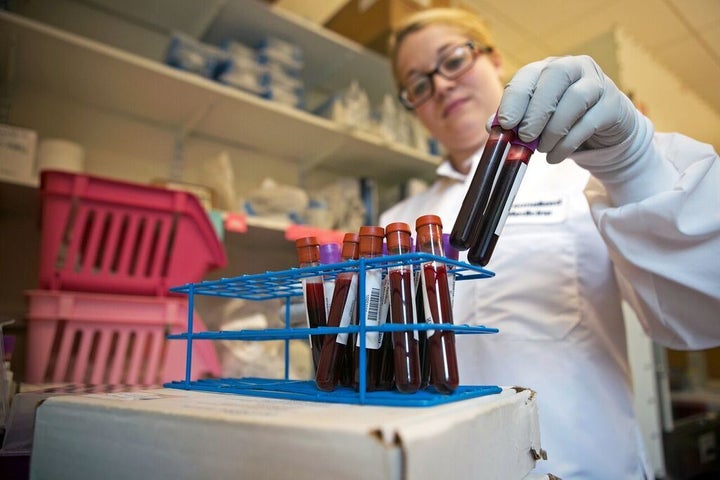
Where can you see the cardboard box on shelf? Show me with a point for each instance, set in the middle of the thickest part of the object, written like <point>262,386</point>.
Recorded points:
<point>370,22</point>
<point>17,151</point>
<point>178,434</point>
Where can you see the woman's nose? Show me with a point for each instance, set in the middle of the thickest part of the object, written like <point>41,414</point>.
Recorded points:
<point>442,84</point>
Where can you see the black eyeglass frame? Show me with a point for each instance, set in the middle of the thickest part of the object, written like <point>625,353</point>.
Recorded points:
<point>475,49</point>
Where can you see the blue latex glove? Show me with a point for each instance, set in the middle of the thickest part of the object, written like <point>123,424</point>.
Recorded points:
<point>570,103</point>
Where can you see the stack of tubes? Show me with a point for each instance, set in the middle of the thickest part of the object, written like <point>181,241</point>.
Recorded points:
<point>491,193</point>
<point>406,360</point>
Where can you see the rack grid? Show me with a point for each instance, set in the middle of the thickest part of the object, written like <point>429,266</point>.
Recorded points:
<point>288,284</point>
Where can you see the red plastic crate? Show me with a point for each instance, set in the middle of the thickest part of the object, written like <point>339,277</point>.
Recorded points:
<point>94,338</point>
<point>110,236</point>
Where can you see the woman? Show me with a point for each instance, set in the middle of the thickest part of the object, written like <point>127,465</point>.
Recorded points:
<point>555,297</point>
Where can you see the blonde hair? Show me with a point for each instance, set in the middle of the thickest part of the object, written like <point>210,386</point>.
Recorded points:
<point>464,21</point>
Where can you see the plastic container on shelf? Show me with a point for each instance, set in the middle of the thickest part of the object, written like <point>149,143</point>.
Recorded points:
<point>287,284</point>
<point>187,53</point>
<point>111,236</point>
<point>111,339</point>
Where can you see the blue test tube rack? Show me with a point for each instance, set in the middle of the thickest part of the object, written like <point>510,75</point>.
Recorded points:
<point>287,284</point>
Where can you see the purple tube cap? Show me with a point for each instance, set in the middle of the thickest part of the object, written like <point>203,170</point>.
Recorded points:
<point>329,253</point>
<point>450,251</point>
<point>532,144</point>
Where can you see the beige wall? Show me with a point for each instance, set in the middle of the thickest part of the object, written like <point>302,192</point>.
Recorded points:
<point>671,105</point>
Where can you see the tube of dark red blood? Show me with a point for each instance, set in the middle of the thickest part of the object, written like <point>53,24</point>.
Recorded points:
<point>386,375</point>
<point>342,310</point>
<point>444,375</point>
<point>308,252</point>
<point>371,243</point>
<point>501,199</point>
<point>402,311</point>
<point>468,222</point>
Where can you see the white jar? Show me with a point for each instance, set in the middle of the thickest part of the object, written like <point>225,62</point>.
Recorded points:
<point>60,154</point>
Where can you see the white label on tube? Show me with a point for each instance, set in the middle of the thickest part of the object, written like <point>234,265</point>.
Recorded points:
<point>451,284</point>
<point>384,306</point>
<point>500,166</point>
<point>328,289</point>
<point>413,297</point>
<point>373,307</point>
<point>348,310</point>
<point>511,197</point>
<point>426,302</point>
<point>418,283</point>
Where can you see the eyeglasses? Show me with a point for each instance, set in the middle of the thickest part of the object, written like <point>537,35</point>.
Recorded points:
<point>451,66</point>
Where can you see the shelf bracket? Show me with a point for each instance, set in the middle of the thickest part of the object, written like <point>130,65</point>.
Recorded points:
<point>177,163</point>
<point>8,80</point>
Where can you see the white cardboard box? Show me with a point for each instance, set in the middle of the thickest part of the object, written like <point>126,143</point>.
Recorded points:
<point>178,434</point>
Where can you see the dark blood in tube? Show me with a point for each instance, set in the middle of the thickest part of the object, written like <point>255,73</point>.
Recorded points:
<point>468,222</point>
<point>342,309</point>
<point>308,252</point>
<point>444,376</point>
<point>501,200</point>
<point>422,334</point>
<point>402,311</point>
<point>371,244</point>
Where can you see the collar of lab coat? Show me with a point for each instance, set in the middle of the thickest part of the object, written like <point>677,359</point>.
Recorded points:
<point>448,171</point>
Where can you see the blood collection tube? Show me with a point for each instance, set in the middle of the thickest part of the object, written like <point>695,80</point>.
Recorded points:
<point>402,311</point>
<point>422,334</point>
<point>342,310</point>
<point>347,364</point>
<point>452,253</point>
<point>444,375</point>
<point>468,222</point>
<point>371,242</point>
<point>386,375</point>
<point>503,195</point>
<point>308,253</point>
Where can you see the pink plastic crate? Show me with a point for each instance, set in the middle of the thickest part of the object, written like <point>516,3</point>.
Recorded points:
<point>110,236</point>
<point>112,339</point>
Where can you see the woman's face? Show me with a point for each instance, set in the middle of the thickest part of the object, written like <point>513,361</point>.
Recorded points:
<point>457,112</point>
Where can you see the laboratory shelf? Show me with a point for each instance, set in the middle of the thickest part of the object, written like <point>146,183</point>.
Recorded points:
<point>286,284</point>
<point>44,59</point>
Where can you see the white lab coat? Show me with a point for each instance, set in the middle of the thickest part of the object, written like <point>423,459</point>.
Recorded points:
<point>666,247</point>
<point>556,301</point>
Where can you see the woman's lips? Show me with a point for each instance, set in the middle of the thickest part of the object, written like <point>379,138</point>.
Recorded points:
<point>453,106</point>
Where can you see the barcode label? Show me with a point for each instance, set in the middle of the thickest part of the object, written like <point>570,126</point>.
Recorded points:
<point>384,307</point>
<point>374,305</point>
<point>373,289</point>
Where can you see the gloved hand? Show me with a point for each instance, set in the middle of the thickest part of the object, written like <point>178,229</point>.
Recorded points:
<point>576,109</point>
<point>570,103</point>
